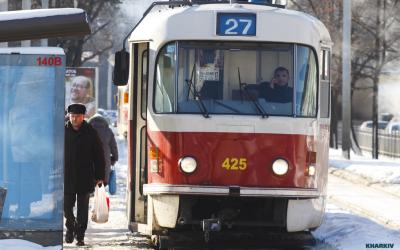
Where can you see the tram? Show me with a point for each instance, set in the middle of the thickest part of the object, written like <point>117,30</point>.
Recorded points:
<point>209,150</point>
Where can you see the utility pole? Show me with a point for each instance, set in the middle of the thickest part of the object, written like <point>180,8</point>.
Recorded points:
<point>380,24</point>
<point>3,7</point>
<point>346,84</point>
<point>26,5</point>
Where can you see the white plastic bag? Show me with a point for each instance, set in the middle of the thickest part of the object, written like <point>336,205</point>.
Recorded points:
<point>100,207</point>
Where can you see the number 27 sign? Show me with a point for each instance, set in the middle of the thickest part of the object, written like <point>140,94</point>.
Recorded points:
<point>236,24</point>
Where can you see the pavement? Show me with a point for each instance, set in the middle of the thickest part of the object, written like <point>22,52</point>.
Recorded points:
<point>393,189</point>
<point>378,201</point>
<point>114,234</point>
<point>374,203</point>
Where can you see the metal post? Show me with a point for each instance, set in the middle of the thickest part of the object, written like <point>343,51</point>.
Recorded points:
<point>346,85</point>
<point>45,5</point>
<point>109,83</point>
<point>3,7</point>
<point>26,5</point>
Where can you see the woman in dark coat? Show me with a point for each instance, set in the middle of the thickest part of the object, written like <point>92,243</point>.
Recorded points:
<point>107,138</point>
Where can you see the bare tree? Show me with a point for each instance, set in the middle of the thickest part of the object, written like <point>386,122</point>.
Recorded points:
<point>101,17</point>
<point>376,45</point>
<point>375,40</point>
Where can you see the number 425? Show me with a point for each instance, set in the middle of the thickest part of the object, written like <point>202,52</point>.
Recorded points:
<point>234,163</point>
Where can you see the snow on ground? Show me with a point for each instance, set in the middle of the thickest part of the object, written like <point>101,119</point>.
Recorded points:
<point>346,231</point>
<point>385,171</point>
<point>14,244</point>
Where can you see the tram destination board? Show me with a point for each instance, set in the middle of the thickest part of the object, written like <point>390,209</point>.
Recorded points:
<point>236,24</point>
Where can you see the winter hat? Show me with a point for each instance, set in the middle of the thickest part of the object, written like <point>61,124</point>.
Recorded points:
<point>76,108</point>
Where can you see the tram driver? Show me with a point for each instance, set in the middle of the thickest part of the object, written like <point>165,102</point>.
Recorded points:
<point>278,89</point>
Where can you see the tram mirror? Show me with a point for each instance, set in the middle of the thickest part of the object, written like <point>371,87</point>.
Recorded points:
<point>121,68</point>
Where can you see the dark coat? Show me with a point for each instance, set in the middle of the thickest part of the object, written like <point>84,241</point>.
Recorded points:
<point>108,141</point>
<point>84,159</point>
<point>282,94</point>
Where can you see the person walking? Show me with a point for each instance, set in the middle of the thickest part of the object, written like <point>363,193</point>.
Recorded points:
<point>100,124</point>
<point>83,169</point>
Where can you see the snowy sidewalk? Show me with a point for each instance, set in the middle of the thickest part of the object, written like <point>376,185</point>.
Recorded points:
<point>113,235</point>
<point>378,205</point>
<point>382,174</point>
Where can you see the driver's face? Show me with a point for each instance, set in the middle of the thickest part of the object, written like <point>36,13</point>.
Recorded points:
<point>282,78</point>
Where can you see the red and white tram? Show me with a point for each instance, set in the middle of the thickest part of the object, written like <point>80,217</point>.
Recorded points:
<point>208,148</point>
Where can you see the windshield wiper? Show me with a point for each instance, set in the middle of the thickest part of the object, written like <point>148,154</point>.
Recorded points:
<point>196,94</point>
<point>255,101</point>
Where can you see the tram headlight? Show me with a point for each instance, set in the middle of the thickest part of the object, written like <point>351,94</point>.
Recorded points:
<point>311,170</point>
<point>187,164</point>
<point>280,167</point>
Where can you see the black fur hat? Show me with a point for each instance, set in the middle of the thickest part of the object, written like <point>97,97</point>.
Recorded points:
<point>76,108</point>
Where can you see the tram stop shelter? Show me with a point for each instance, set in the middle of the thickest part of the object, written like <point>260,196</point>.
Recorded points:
<point>32,90</point>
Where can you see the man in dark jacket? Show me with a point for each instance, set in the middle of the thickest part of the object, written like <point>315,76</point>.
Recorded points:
<point>278,90</point>
<point>83,169</point>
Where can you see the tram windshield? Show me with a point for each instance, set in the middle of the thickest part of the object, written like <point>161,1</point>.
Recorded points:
<point>236,78</point>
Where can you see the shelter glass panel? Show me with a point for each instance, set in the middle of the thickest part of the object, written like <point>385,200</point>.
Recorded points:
<point>31,143</point>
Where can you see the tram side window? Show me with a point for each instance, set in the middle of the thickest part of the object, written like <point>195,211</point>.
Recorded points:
<point>144,83</point>
<point>307,80</point>
<point>165,80</point>
<point>325,86</point>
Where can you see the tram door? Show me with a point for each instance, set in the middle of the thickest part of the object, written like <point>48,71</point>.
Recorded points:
<point>137,134</point>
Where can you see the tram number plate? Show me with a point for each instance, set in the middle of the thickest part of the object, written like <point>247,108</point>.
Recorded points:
<point>236,24</point>
<point>234,164</point>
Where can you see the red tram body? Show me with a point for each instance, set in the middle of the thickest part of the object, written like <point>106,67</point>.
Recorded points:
<point>207,149</point>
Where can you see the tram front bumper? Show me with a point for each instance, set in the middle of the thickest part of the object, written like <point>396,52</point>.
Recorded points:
<point>158,189</point>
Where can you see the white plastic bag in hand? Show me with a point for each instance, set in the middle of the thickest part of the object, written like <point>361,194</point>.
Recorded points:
<point>100,208</point>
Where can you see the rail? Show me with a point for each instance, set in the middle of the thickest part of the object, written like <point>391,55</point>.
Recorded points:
<point>389,143</point>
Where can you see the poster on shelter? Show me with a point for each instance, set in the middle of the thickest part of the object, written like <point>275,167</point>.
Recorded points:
<point>80,87</point>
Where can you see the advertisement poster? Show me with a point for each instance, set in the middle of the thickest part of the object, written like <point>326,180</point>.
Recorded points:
<point>81,87</point>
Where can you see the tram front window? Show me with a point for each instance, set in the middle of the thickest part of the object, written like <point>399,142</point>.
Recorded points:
<point>235,78</point>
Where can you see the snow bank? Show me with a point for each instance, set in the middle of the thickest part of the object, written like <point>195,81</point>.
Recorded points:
<point>14,244</point>
<point>384,171</point>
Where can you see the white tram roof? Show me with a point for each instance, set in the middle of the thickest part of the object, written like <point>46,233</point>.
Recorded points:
<point>198,22</point>
<point>32,50</point>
